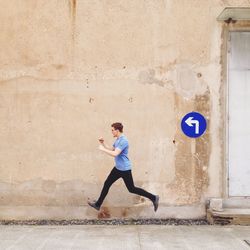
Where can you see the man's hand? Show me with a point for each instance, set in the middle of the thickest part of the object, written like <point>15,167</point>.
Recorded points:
<point>101,140</point>
<point>101,147</point>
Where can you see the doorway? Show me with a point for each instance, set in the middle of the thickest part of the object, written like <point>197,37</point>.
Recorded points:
<point>239,114</point>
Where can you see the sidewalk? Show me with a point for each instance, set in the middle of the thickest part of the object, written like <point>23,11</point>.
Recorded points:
<point>151,237</point>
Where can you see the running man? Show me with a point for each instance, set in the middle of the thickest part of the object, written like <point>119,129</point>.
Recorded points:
<point>122,168</point>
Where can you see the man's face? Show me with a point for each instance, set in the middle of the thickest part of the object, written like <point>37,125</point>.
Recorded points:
<point>114,131</point>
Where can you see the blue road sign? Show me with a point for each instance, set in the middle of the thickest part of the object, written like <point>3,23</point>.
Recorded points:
<point>193,124</point>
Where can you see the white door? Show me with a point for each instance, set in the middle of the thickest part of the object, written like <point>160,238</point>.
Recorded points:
<point>239,114</point>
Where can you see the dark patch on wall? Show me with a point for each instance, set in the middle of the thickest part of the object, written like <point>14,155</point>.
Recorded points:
<point>72,10</point>
<point>125,212</point>
<point>192,155</point>
<point>39,192</point>
<point>87,83</point>
<point>202,105</point>
<point>104,213</point>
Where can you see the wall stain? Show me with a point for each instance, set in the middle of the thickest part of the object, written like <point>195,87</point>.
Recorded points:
<point>192,156</point>
<point>72,10</point>
<point>203,145</point>
<point>75,193</point>
<point>199,75</point>
<point>59,66</point>
<point>163,69</point>
<point>87,83</point>
<point>124,212</point>
<point>49,186</point>
<point>40,192</point>
<point>104,213</point>
<point>148,77</point>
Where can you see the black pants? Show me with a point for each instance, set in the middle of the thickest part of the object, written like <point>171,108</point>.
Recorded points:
<point>114,175</point>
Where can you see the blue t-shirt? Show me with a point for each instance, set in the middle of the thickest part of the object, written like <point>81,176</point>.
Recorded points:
<point>122,161</point>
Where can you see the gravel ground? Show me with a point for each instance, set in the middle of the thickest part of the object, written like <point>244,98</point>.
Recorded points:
<point>107,222</point>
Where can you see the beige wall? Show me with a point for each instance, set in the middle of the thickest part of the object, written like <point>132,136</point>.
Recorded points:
<point>69,69</point>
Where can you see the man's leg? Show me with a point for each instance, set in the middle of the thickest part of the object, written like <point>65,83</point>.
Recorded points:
<point>113,176</point>
<point>129,182</point>
<point>128,179</point>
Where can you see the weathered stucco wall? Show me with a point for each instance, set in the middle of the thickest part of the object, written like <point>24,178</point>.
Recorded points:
<point>70,68</point>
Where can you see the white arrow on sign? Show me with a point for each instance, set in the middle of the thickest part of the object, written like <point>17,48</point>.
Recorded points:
<point>190,123</point>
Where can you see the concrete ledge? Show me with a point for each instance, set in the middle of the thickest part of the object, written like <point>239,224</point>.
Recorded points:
<point>229,216</point>
<point>85,212</point>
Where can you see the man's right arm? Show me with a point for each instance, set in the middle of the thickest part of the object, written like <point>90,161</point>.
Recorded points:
<point>107,147</point>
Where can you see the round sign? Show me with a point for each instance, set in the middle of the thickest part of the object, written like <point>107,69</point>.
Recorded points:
<point>193,124</point>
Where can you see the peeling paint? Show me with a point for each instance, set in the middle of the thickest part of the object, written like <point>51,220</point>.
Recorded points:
<point>188,83</point>
<point>148,77</point>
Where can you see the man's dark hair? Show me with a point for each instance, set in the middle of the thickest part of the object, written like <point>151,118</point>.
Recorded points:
<point>117,126</point>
